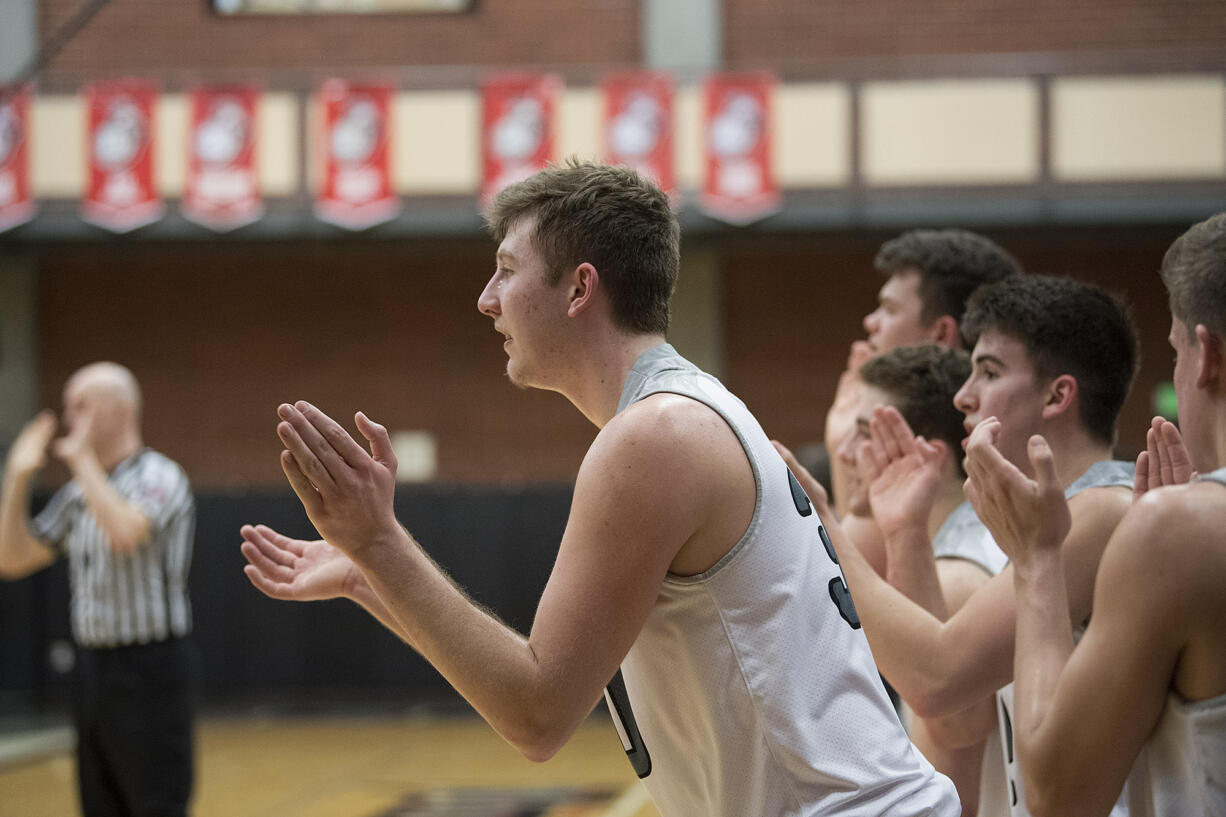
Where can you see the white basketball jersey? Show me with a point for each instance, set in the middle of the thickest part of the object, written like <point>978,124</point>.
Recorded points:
<point>751,689</point>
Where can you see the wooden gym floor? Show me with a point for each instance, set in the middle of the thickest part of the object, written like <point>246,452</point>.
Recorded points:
<point>376,766</point>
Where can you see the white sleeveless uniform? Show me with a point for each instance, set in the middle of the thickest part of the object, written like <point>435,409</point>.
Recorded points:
<point>1181,771</point>
<point>963,536</point>
<point>752,686</point>
<point>1103,474</point>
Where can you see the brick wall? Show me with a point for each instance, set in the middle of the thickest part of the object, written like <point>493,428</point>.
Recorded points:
<point>220,333</point>
<point>793,305</point>
<point>797,36</point>
<point>174,35</point>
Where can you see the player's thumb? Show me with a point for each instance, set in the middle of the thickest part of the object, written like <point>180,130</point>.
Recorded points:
<point>380,442</point>
<point>1043,461</point>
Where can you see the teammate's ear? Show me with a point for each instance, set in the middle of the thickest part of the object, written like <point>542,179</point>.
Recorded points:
<point>944,332</point>
<point>584,283</point>
<point>942,448</point>
<point>1061,394</point>
<point>1212,350</point>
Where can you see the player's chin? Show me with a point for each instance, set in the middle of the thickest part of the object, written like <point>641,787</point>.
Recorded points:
<point>516,375</point>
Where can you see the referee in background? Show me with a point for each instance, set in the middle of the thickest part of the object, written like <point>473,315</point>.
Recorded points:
<point>125,521</point>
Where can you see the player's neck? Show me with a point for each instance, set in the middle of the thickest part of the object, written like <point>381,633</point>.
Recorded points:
<point>950,497</point>
<point>596,387</point>
<point>1076,450</point>
<point>1217,441</point>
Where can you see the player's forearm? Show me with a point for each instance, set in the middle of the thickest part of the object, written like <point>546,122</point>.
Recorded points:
<point>491,665</point>
<point>125,526</point>
<point>1043,647</point>
<point>365,597</point>
<point>911,646</point>
<point>966,728</point>
<point>962,765</point>
<point>911,569</point>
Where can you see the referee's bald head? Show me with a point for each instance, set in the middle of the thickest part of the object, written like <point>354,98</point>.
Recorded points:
<point>110,381</point>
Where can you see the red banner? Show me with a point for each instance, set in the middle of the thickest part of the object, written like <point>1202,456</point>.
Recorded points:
<point>357,180</point>
<point>517,128</point>
<point>16,204</point>
<point>739,186</point>
<point>638,124</point>
<point>120,195</point>
<point>223,186</point>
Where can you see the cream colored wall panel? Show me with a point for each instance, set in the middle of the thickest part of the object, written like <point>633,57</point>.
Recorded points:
<point>1119,128</point>
<point>279,144</point>
<point>436,148</point>
<point>950,132</point>
<point>57,146</point>
<point>579,119</point>
<point>812,135</point>
<point>688,152</point>
<point>172,119</point>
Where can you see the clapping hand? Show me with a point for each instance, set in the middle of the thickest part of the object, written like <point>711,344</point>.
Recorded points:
<point>295,569</point>
<point>903,472</point>
<point>1165,460</point>
<point>1024,515</point>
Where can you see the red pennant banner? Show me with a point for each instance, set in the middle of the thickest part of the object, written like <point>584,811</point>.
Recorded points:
<point>16,204</point>
<point>638,124</point>
<point>223,186</point>
<point>739,186</point>
<point>120,195</point>
<point>517,128</point>
<point>357,181</point>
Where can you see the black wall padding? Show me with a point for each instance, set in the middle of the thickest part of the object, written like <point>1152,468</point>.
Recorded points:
<point>499,544</point>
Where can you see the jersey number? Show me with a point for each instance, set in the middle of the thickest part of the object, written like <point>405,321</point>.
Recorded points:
<point>618,701</point>
<point>839,593</point>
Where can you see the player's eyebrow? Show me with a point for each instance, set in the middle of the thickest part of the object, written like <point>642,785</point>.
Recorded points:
<point>986,358</point>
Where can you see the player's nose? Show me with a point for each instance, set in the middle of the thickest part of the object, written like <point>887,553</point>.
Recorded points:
<point>487,303</point>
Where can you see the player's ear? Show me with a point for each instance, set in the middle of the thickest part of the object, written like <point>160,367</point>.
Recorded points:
<point>1061,395</point>
<point>1212,363</point>
<point>944,332</point>
<point>942,448</point>
<point>584,283</point>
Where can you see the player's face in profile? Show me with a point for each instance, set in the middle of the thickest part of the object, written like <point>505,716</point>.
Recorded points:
<point>896,320</point>
<point>1003,385</point>
<point>525,309</point>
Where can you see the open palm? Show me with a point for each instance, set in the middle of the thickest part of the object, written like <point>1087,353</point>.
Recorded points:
<point>296,569</point>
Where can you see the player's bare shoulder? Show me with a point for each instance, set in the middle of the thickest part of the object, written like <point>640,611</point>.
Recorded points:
<point>675,432</point>
<point>695,467</point>
<point>1100,507</point>
<point>1191,518</point>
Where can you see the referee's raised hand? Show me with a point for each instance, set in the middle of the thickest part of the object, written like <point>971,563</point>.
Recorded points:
<point>29,451</point>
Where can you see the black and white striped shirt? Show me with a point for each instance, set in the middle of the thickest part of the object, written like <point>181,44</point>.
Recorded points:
<point>134,598</point>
